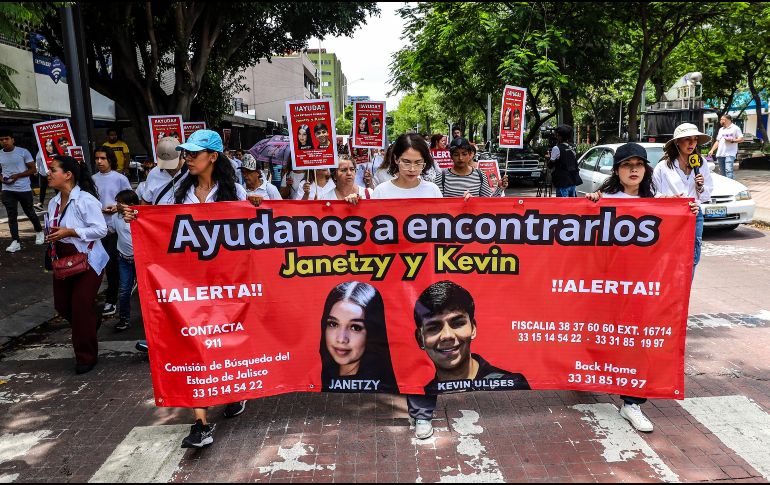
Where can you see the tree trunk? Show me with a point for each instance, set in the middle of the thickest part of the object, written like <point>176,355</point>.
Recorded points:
<point>633,108</point>
<point>565,101</point>
<point>758,103</point>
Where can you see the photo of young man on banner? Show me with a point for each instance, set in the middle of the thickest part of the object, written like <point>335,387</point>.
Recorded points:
<point>163,126</point>
<point>311,130</point>
<point>512,117</point>
<point>368,124</point>
<point>53,138</point>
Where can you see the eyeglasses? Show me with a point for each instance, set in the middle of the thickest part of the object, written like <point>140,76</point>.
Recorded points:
<point>411,163</point>
<point>192,154</point>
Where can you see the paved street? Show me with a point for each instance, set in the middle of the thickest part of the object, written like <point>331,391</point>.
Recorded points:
<point>104,426</point>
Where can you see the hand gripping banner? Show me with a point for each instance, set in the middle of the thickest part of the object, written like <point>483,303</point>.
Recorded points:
<point>429,296</point>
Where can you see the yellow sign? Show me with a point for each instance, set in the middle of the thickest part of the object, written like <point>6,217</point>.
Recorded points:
<point>694,160</point>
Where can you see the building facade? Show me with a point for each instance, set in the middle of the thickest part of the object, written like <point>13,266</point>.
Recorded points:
<point>334,84</point>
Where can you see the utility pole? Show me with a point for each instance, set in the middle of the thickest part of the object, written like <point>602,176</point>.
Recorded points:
<point>489,120</point>
<point>77,79</point>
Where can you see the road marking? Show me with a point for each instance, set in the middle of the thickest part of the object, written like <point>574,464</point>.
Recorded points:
<point>621,442</point>
<point>147,454</point>
<point>761,319</point>
<point>711,249</point>
<point>9,478</point>
<point>115,348</point>
<point>486,470</point>
<point>739,423</point>
<point>290,460</point>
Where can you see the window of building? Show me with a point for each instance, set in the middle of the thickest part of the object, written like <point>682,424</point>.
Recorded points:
<point>326,84</point>
<point>326,73</point>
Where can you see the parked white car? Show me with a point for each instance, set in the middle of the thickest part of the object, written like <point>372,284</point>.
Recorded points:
<point>730,204</point>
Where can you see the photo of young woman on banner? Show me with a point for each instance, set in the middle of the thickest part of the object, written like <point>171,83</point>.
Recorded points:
<point>312,132</point>
<point>369,124</point>
<point>53,138</point>
<point>512,117</point>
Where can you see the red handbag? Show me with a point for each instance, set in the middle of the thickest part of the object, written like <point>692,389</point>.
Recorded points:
<point>68,265</point>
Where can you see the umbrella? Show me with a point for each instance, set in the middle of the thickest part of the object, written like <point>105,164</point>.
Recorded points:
<point>274,150</point>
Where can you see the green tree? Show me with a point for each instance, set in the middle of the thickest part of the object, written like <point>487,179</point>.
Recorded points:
<point>344,123</point>
<point>164,53</point>
<point>16,21</point>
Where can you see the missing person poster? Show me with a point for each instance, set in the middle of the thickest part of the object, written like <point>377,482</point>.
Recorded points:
<point>369,124</point>
<point>311,128</point>
<point>76,152</point>
<point>53,138</point>
<point>163,126</point>
<point>512,117</point>
<point>442,158</point>
<point>432,296</point>
<point>492,172</point>
<point>190,127</point>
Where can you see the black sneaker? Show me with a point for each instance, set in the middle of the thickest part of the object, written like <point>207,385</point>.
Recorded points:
<point>234,409</point>
<point>109,310</point>
<point>141,346</point>
<point>200,435</point>
<point>122,325</point>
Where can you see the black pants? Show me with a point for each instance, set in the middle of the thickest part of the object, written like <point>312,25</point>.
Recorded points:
<point>110,243</point>
<point>10,201</point>
<point>633,400</point>
<point>43,183</point>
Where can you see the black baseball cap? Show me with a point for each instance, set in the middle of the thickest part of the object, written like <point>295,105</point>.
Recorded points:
<point>629,150</point>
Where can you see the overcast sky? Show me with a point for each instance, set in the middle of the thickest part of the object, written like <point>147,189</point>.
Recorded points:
<point>367,54</point>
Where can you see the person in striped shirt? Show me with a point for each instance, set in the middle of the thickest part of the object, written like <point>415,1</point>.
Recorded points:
<point>462,179</point>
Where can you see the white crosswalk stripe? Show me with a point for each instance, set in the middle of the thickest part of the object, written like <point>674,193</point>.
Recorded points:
<point>739,423</point>
<point>147,454</point>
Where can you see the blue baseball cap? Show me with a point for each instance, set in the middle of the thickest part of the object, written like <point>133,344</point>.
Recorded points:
<point>203,140</point>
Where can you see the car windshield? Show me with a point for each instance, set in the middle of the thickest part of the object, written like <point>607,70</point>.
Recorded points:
<point>654,154</point>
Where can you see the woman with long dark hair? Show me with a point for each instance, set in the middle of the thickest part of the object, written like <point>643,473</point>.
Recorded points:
<point>77,227</point>
<point>354,340</point>
<point>304,142</point>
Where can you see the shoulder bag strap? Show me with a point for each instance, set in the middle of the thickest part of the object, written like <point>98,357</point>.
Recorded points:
<point>171,183</point>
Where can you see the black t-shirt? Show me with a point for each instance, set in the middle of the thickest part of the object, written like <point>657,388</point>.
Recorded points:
<point>488,378</point>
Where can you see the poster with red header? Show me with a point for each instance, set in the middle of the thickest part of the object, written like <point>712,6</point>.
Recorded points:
<point>53,138</point>
<point>590,297</point>
<point>442,158</point>
<point>312,132</point>
<point>76,152</point>
<point>492,172</point>
<point>163,126</point>
<point>369,124</point>
<point>190,127</point>
<point>512,117</point>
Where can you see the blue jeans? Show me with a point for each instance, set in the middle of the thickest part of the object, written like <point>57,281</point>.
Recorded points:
<point>421,406</point>
<point>566,191</point>
<point>698,239</point>
<point>127,277</point>
<point>726,166</point>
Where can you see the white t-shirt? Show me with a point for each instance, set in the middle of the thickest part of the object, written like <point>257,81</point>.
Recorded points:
<point>123,230</point>
<point>156,181</point>
<point>425,190</point>
<point>725,148</point>
<point>191,198</point>
<point>332,194</point>
<point>267,191</point>
<point>108,185</point>
<point>673,181</point>
<point>619,195</point>
<point>555,153</point>
<point>14,162</point>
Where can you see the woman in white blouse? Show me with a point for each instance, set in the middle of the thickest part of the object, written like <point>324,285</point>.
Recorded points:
<point>344,177</point>
<point>77,226</point>
<point>674,177</point>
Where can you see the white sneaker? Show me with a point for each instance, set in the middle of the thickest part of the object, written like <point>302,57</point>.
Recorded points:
<point>38,206</point>
<point>634,415</point>
<point>39,238</point>
<point>423,428</point>
<point>15,246</point>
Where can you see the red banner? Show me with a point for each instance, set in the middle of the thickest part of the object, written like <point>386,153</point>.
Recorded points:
<point>163,126</point>
<point>512,117</point>
<point>312,131</point>
<point>190,127</point>
<point>492,171</point>
<point>368,124</point>
<point>442,158</point>
<point>53,138</point>
<point>414,296</point>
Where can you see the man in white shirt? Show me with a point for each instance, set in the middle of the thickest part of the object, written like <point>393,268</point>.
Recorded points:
<point>254,179</point>
<point>17,165</point>
<point>164,179</point>
<point>726,145</point>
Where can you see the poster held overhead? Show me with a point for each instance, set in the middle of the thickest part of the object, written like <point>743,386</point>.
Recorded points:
<point>76,152</point>
<point>512,117</point>
<point>369,124</point>
<point>163,126</point>
<point>53,138</point>
<point>190,127</point>
<point>312,132</point>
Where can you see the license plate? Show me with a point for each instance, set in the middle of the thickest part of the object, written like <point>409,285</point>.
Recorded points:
<point>535,174</point>
<point>714,212</point>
